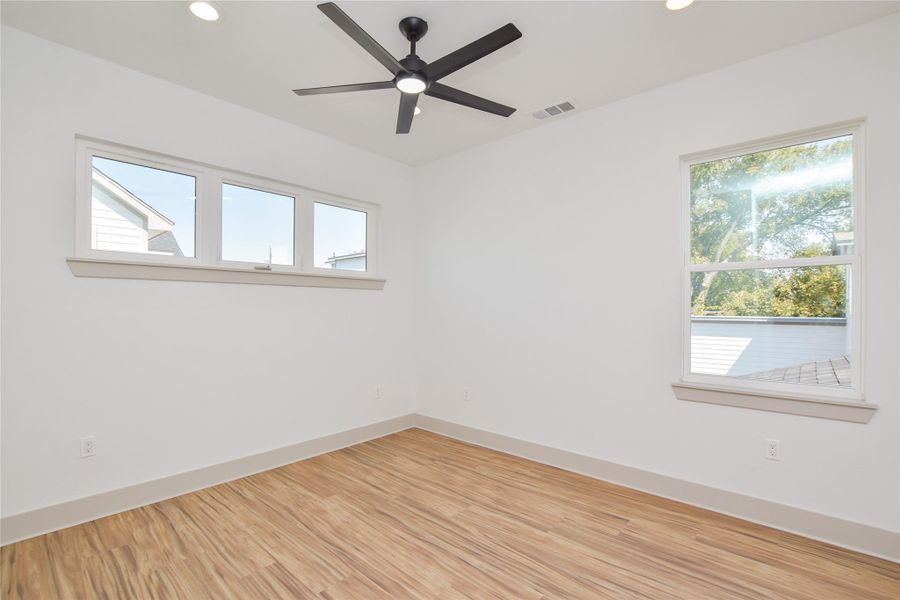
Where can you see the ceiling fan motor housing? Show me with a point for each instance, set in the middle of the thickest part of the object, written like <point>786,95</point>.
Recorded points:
<point>413,63</point>
<point>415,68</point>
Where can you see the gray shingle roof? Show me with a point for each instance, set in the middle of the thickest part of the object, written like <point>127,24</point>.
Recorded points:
<point>166,242</point>
<point>833,372</point>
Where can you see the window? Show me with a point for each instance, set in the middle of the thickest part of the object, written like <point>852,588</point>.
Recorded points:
<point>141,209</point>
<point>772,266</point>
<point>147,210</point>
<point>257,226</point>
<point>340,238</point>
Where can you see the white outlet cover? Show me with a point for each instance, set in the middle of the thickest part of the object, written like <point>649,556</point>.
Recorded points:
<point>773,449</point>
<point>87,446</point>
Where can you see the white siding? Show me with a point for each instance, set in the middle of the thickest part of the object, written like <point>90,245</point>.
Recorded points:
<point>739,348</point>
<point>115,226</point>
<point>357,263</point>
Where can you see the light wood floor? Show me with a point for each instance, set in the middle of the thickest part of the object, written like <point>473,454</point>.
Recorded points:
<point>417,515</point>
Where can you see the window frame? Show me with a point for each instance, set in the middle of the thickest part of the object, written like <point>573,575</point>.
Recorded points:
<point>338,203</point>
<point>259,185</point>
<point>83,197</point>
<point>855,262</point>
<point>208,221</point>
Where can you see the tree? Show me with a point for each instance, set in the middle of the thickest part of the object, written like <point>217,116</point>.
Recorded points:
<point>782,203</point>
<point>800,292</point>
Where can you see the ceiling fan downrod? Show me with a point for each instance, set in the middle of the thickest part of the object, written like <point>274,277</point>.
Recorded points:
<point>413,29</point>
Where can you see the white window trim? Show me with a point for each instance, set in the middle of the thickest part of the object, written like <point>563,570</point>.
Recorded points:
<point>833,403</point>
<point>85,150</point>
<point>122,269</point>
<point>207,263</point>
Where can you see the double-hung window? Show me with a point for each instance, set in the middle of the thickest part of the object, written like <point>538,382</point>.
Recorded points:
<point>772,267</point>
<point>148,211</point>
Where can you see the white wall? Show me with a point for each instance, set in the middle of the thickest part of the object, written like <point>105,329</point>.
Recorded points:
<point>581,357</point>
<point>173,376</point>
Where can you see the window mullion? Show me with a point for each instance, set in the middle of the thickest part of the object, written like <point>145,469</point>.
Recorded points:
<point>209,213</point>
<point>814,261</point>
<point>303,233</point>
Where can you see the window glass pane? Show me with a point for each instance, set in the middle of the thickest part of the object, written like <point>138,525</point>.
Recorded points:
<point>787,325</point>
<point>339,238</point>
<point>257,226</point>
<point>141,209</point>
<point>785,203</point>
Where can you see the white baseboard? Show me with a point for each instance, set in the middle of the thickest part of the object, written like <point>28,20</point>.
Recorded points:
<point>834,530</point>
<point>73,512</point>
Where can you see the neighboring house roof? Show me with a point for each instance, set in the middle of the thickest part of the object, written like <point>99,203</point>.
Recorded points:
<point>155,219</point>
<point>339,257</point>
<point>835,371</point>
<point>165,242</point>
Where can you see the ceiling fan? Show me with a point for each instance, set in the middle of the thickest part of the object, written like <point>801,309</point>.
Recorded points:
<point>412,75</point>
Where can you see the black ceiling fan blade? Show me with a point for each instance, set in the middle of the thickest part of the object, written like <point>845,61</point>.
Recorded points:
<point>407,111</point>
<point>350,87</point>
<point>362,38</point>
<point>445,92</point>
<point>472,52</point>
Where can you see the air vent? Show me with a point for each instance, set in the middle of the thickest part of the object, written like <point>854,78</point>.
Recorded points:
<point>552,111</point>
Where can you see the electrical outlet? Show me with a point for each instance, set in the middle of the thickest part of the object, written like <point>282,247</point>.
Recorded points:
<point>377,392</point>
<point>773,449</point>
<point>467,393</point>
<point>87,446</point>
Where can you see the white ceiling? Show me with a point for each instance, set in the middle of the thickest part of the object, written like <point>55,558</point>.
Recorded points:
<point>589,53</point>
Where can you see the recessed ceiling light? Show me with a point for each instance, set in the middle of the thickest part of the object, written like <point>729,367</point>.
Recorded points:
<point>417,111</point>
<point>678,4</point>
<point>204,10</point>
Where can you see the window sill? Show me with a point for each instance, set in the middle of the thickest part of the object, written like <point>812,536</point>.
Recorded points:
<point>808,406</point>
<point>118,269</point>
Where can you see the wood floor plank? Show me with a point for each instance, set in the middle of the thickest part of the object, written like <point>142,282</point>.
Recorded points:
<point>420,516</point>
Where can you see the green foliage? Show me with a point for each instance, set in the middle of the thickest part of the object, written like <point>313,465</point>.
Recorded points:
<point>782,203</point>
<point>800,292</point>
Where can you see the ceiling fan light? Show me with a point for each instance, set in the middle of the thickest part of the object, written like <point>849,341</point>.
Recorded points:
<point>204,10</point>
<point>411,84</point>
<point>678,4</point>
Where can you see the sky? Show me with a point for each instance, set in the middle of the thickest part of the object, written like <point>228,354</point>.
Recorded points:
<point>337,231</point>
<point>253,222</point>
